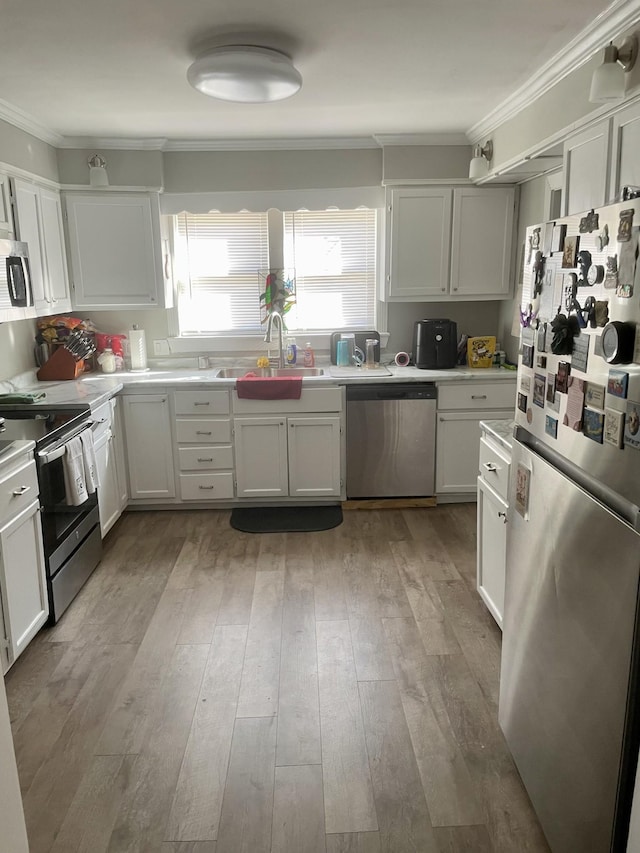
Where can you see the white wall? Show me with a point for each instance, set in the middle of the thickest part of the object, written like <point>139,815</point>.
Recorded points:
<point>472,318</point>
<point>17,341</point>
<point>124,168</point>
<point>24,151</point>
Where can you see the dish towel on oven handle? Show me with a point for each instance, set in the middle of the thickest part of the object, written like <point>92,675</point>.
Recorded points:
<point>73,467</point>
<point>89,458</point>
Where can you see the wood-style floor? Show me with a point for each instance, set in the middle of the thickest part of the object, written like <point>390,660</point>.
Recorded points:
<point>211,691</point>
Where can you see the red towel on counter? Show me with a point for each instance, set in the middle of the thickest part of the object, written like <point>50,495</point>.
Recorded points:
<point>269,388</point>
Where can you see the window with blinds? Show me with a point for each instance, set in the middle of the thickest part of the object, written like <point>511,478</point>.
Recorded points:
<point>221,259</point>
<point>218,257</point>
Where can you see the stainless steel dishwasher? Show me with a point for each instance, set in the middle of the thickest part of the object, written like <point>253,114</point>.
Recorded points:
<point>391,440</point>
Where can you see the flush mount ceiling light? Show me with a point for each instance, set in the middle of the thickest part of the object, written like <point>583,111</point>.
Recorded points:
<point>608,81</point>
<point>479,166</point>
<point>245,74</point>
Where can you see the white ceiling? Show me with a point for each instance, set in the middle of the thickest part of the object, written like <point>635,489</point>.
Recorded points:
<point>370,67</point>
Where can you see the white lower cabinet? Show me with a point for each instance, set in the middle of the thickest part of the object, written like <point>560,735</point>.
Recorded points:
<point>492,548</point>
<point>461,407</point>
<point>296,457</point>
<point>149,446</point>
<point>109,449</point>
<point>23,589</point>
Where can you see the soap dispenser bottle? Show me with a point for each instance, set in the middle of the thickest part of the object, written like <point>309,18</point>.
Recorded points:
<point>308,355</point>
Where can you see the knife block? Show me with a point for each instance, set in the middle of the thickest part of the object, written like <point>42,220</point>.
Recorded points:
<point>61,365</point>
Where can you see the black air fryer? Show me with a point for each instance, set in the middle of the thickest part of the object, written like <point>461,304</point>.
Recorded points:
<point>435,344</point>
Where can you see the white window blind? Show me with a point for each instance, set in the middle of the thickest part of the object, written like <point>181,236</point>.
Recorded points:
<point>219,257</point>
<point>333,253</point>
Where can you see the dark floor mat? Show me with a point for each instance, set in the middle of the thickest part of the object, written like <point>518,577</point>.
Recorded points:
<point>285,519</point>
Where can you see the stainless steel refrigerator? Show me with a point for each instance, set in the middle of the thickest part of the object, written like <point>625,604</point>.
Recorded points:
<point>569,677</point>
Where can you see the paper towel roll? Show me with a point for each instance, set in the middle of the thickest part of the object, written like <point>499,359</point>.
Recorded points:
<point>138,349</point>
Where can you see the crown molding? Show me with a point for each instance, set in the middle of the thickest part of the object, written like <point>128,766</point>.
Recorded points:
<point>24,121</point>
<point>302,144</point>
<point>387,139</point>
<point>609,25</point>
<point>105,143</point>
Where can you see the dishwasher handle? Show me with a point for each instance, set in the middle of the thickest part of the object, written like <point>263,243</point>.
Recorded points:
<point>391,391</point>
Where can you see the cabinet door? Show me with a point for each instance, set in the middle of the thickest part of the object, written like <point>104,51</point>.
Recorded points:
<point>114,245</point>
<point>481,242</point>
<point>27,197</point>
<point>108,497</point>
<point>149,446</point>
<point>458,450</point>
<point>418,243</point>
<point>6,211</point>
<point>22,579</point>
<point>117,428</point>
<point>586,168</point>
<point>625,144</point>
<point>261,457</point>
<point>57,277</point>
<point>314,457</point>
<point>492,549</point>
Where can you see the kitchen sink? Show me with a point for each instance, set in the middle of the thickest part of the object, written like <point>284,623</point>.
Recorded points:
<point>238,372</point>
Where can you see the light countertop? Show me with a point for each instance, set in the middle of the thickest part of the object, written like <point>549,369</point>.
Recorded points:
<point>15,450</point>
<point>93,389</point>
<point>500,431</point>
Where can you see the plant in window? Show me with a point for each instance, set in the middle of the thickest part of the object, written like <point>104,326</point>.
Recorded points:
<point>279,294</point>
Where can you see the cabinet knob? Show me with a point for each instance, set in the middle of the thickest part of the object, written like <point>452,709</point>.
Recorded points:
<point>503,516</point>
<point>478,396</point>
<point>206,488</point>
<point>202,432</point>
<point>205,460</point>
<point>196,403</point>
<point>490,466</point>
<point>21,490</point>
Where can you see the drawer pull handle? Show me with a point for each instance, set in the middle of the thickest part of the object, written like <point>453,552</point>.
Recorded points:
<point>503,516</point>
<point>478,396</point>
<point>206,460</point>
<point>206,488</point>
<point>21,490</point>
<point>208,403</point>
<point>490,466</point>
<point>202,432</point>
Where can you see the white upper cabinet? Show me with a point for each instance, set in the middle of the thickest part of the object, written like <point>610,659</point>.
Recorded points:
<point>6,212</point>
<point>39,224</point>
<point>115,250</point>
<point>481,241</point>
<point>586,168</point>
<point>625,144</point>
<point>445,243</point>
<point>418,240</point>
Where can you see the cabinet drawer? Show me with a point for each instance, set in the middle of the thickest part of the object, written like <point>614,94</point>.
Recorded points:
<point>101,418</point>
<point>206,487</point>
<point>203,430</point>
<point>494,468</point>
<point>477,395</point>
<point>18,488</point>
<point>202,402</point>
<point>205,458</point>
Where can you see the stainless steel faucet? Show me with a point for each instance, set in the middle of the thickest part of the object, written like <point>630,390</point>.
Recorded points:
<point>272,318</point>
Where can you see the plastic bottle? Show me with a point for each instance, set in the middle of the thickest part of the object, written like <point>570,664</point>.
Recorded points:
<point>107,360</point>
<point>292,352</point>
<point>308,356</point>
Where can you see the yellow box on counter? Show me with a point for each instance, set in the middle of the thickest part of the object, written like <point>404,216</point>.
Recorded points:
<point>480,351</point>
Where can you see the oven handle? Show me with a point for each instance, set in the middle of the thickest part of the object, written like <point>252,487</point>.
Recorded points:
<point>58,449</point>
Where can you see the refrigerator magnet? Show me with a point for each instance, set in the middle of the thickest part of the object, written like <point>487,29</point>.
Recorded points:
<point>551,387</point>
<point>539,384</point>
<point>594,395</point>
<point>525,384</point>
<point>562,380</point>
<point>624,225</point>
<point>557,239</point>
<point>613,427</point>
<point>555,403</point>
<point>611,273</point>
<point>522,402</point>
<point>632,425</point>
<point>527,355</point>
<point>523,478</point>
<point>570,253</point>
<point>580,355</point>
<point>589,223</point>
<point>575,404</point>
<point>541,338</point>
<point>551,426</point>
<point>593,424</point>
<point>618,383</point>
<point>541,361</point>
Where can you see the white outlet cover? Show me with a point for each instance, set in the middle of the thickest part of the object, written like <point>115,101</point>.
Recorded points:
<point>161,347</point>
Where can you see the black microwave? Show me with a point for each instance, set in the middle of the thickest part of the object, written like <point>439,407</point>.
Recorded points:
<point>15,275</point>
